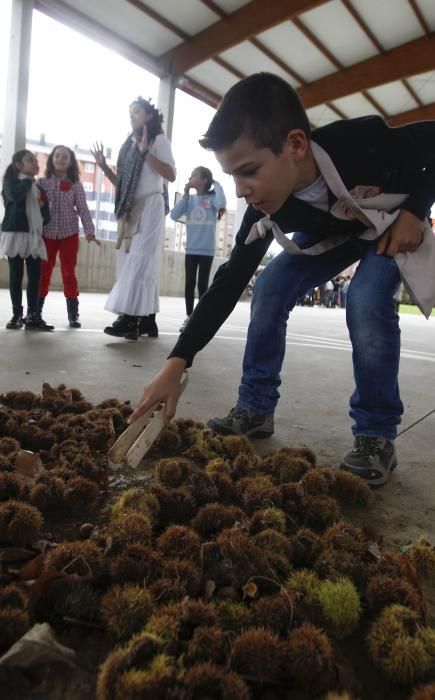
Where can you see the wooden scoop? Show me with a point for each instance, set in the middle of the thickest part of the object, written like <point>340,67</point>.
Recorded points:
<point>131,447</point>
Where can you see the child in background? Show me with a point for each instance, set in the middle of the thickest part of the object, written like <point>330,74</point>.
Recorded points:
<point>202,210</point>
<point>26,210</point>
<point>67,201</point>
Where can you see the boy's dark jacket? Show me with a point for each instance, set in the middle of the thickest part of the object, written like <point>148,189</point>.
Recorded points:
<point>365,151</point>
<point>14,195</point>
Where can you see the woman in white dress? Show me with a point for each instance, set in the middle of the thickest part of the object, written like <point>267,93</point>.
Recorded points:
<point>145,159</point>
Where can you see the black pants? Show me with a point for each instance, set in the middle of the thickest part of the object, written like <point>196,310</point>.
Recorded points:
<point>16,274</point>
<point>192,263</point>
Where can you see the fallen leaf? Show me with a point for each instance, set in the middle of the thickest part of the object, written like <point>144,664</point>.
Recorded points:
<point>209,589</point>
<point>10,554</point>
<point>112,426</point>
<point>374,550</point>
<point>78,567</point>
<point>300,491</point>
<point>250,590</point>
<point>29,464</point>
<point>48,392</point>
<point>38,646</point>
<point>43,545</point>
<point>109,544</point>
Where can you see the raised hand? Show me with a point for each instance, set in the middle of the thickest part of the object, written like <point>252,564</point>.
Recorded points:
<point>97,151</point>
<point>142,143</point>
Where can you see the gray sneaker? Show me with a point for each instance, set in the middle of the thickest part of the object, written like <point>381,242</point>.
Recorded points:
<point>371,458</point>
<point>240,421</point>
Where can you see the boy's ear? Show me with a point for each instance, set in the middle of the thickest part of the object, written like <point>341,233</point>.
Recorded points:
<point>296,143</point>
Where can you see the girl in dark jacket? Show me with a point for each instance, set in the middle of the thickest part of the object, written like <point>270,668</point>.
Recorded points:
<point>26,210</point>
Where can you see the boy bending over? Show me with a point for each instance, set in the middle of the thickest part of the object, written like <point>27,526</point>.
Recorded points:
<point>317,185</point>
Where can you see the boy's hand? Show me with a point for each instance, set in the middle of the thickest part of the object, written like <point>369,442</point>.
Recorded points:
<point>403,236</point>
<point>187,187</point>
<point>164,388</point>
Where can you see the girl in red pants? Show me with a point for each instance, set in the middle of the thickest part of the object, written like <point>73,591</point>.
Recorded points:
<point>67,201</point>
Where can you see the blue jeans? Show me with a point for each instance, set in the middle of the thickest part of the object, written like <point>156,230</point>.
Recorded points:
<point>371,317</point>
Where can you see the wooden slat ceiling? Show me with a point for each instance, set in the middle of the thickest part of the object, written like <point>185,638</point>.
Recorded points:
<point>345,57</point>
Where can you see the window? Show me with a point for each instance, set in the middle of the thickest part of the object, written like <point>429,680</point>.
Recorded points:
<point>89,168</point>
<point>88,187</point>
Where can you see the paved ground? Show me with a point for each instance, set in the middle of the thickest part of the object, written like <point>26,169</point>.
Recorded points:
<point>317,376</point>
<point>317,380</point>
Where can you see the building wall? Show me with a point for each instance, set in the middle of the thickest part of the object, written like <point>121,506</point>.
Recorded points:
<point>100,196</point>
<point>96,267</point>
<point>96,270</point>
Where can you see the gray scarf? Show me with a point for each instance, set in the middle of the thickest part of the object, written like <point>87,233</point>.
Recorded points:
<point>128,170</point>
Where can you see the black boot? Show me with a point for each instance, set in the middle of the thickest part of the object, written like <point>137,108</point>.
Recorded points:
<point>72,305</point>
<point>41,301</point>
<point>35,322</point>
<point>132,332</point>
<point>148,326</point>
<point>153,331</point>
<point>118,327</point>
<point>16,321</point>
<point>143,325</point>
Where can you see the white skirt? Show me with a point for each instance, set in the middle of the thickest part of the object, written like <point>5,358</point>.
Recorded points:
<point>14,243</point>
<point>136,290</point>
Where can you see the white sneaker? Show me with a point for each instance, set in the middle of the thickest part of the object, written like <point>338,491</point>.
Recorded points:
<point>184,324</point>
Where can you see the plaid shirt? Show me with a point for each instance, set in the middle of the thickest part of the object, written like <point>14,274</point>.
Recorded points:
<point>67,201</point>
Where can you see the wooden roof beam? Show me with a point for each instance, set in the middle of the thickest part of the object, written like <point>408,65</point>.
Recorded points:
<point>258,44</point>
<point>194,89</point>
<point>244,23</point>
<point>157,17</point>
<point>414,57</point>
<point>413,115</point>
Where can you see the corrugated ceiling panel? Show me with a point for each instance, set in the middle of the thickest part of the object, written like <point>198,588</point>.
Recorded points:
<point>213,77</point>
<point>393,97</point>
<point>393,22</point>
<point>190,15</point>
<point>231,5</point>
<point>355,105</point>
<point>321,115</point>
<point>427,8</point>
<point>424,86</point>
<point>335,27</point>
<point>297,51</point>
<point>248,59</point>
<point>130,23</point>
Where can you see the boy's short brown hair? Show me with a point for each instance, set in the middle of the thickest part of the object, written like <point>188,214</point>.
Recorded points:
<point>263,107</point>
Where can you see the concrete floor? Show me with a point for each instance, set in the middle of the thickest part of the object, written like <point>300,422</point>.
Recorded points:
<point>317,375</point>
